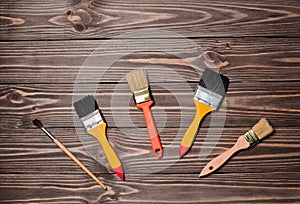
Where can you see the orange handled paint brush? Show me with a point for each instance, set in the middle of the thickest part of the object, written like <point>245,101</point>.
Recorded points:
<point>89,114</point>
<point>39,124</point>
<point>138,82</point>
<point>259,131</point>
<point>208,97</point>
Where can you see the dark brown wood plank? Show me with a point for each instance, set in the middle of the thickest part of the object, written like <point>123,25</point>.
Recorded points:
<point>53,103</point>
<point>250,59</point>
<point>32,163</point>
<point>31,146</point>
<point>229,190</point>
<point>35,20</point>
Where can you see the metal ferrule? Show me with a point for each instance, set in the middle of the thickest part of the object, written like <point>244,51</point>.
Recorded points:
<point>92,120</point>
<point>142,95</point>
<point>48,133</point>
<point>208,97</point>
<point>251,137</point>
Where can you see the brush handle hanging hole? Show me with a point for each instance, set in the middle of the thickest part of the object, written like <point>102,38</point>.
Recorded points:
<point>157,151</point>
<point>211,168</point>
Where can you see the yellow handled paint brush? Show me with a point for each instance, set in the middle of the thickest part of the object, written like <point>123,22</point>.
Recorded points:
<point>89,114</point>
<point>39,124</point>
<point>208,97</point>
<point>259,131</point>
<point>138,82</point>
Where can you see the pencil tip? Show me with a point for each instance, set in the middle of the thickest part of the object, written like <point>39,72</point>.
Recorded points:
<point>37,123</point>
<point>183,150</point>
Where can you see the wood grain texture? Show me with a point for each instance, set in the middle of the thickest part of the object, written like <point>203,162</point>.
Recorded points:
<point>60,61</point>
<point>44,46</point>
<point>38,160</point>
<point>34,101</point>
<point>36,20</point>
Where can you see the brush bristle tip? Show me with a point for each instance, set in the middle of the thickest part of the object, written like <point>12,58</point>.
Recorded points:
<point>214,82</point>
<point>262,128</point>
<point>37,123</point>
<point>137,80</point>
<point>85,106</point>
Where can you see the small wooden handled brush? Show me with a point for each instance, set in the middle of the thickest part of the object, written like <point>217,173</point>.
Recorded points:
<point>138,82</point>
<point>259,131</point>
<point>89,114</point>
<point>39,124</point>
<point>208,97</point>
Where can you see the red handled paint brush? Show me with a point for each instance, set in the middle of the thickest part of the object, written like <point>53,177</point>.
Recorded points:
<point>208,97</point>
<point>89,114</point>
<point>138,82</point>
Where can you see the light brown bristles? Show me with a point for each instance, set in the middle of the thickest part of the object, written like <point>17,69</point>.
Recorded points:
<point>249,139</point>
<point>138,83</point>
<point>262,128</point>
<point>137,80</point>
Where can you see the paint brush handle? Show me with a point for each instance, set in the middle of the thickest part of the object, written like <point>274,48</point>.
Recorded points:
<point>152,131</point>
<point>217,162</point>
<point>99,132</point>
<point>189,136</point>
<point>64,149</point>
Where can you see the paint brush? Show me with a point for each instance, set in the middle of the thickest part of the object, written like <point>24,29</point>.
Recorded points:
<point>39,124</point>
<point>259,131</point>
<point>89,114</point>
<point>208,97</point>
<point>138,82</point>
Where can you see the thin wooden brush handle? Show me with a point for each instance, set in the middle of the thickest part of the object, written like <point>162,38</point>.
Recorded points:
<point>217,162</point>
<point>152,131</point>
<point>189,136</point>
<point>84,168</point>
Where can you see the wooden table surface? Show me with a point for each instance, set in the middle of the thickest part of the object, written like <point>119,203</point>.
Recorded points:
<point>47,45</point>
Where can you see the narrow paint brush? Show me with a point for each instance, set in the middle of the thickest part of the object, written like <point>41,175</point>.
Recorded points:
<point>208,97</point>
<point>89,114</point>
<point>259,131</point>
<point>39,124</point>
<point>138,82</point>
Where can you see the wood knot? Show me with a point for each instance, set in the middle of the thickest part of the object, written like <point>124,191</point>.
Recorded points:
<point>80,27</point>
<point>80,18</point>
<point>227,46</point>
<point>8,21</point>
<point>16,97</point>
<point>84,15</point>
<point>214,61</point>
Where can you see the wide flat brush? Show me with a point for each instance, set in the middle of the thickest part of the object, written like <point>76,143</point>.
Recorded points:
<point>39,124</point>
<point>138,82</point>
<point>208,97</point>
<point>89,114</point>
<point>259,131</point>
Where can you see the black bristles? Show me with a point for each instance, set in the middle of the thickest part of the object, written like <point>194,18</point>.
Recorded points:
<point>214,82</point>
<point>86,106</point>
<point>37,123</point>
